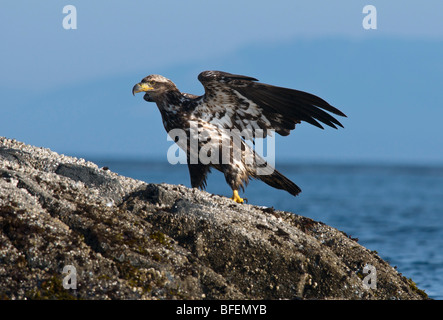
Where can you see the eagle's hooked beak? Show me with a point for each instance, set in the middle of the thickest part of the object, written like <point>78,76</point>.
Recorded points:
<point>141,87</point>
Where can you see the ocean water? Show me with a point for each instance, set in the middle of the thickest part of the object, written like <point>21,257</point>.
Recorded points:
<point>396,210</point>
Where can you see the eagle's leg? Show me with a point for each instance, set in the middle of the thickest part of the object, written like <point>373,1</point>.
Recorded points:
<point>234,179</point>
<point>236,197</point>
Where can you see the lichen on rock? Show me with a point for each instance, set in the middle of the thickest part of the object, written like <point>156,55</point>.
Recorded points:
<point>129,239</point>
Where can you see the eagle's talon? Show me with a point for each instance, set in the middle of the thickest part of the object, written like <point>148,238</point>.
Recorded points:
<point>236,197</point>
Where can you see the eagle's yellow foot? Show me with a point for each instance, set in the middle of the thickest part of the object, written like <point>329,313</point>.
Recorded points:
<point>236,197</point>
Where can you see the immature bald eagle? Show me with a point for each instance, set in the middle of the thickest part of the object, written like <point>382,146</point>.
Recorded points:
<point>233,102</point>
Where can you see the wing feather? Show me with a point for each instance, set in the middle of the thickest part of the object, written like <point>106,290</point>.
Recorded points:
<point>251,104</point>
<point>198,174</point>
<point>304,110</point>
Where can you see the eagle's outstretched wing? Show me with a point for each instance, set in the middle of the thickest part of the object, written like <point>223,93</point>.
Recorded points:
<point>240,102</point>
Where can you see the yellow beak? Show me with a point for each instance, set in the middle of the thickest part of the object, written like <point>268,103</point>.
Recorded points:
<point>141,87</point>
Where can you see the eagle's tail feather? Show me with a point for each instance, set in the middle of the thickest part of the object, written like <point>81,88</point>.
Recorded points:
<point>279,181</point>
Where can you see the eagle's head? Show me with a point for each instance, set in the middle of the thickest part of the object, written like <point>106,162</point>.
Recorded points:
<point>155,86</point>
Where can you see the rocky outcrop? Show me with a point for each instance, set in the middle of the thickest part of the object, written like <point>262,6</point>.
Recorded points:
<point>128,239</point>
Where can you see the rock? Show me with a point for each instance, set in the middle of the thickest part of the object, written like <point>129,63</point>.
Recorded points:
<point>128,239</point>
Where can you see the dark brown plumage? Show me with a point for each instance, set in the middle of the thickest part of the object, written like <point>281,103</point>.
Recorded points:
<point>243,106</point>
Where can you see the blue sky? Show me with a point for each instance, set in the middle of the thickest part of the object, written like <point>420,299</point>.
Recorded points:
<point>70,90</point>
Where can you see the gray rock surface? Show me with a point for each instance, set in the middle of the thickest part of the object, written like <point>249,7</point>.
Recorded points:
<point>128,239</point>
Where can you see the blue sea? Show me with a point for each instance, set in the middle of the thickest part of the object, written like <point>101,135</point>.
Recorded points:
<point>396,210</point>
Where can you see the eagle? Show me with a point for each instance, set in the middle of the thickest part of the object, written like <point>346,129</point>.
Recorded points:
<point>220,123</point>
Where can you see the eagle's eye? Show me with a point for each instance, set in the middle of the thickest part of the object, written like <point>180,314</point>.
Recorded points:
<point>152,83</point>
